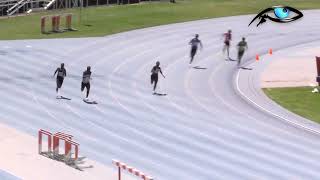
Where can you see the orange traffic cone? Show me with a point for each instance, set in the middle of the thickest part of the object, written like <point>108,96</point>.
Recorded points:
<point>270,51</point>
<point>257,57</point>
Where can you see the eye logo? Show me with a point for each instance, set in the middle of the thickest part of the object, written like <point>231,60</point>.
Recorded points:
<point>282,14</point>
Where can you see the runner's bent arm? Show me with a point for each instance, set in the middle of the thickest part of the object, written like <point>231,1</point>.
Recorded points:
<point>238,46</point>
<point>55,72</point>
<point>161,72</point>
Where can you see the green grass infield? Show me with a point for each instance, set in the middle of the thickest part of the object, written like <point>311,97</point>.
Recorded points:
<point>298,100</point>
<point>104,20</point>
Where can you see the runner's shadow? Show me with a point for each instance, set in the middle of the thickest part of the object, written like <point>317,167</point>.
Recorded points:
<point>198,67</point>
<point>159,94</point>
<point>81,161</point>
<point>64,98</point>
<point>232,59</point>
<point>245,68</point>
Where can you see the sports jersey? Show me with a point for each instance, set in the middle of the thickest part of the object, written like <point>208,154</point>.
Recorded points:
<point>242,45</point>
<point>195,43</point>
<point>86,76</point>
<point>227,37</point>
<point>61,72</point>
<point>156,70</point>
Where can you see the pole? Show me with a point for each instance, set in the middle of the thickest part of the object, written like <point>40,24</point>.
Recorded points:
<point>80,13</point>
<point>119,173</point>
<point>39,142</point>
<point>318,69</point>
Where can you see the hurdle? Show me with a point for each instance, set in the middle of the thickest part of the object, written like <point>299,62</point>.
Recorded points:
<point>55,20</point>
<point>68,144</point>
<point>56,139</point>
<point>49,135</point>
<point>56,25</point>
<point>53,147</point>
<point>130,169</point>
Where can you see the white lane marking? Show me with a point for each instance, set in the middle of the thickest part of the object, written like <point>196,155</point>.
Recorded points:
<point>278,130</point>
<point>215,70</point>
<point>35,98</point>
<point>147,103</point>
<point>112,74</point>
<point>170,64</point>
<point>96,42</point>
<point>180,108</point>
<point>122,52</point>
<point>122,43</point>
<point>267,111</point>
<point>187,86</point>
<point>140,94</point>
<point>208,110</point>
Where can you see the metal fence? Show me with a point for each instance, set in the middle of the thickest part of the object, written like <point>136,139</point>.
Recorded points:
<point>14,7</point>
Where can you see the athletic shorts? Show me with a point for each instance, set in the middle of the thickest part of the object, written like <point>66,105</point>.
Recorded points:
<point>240,54</point>
<point>227,43</point>
<point>59,82</point>
<point>193,51</point>
<point>154,78</point>
<point>85,85</point>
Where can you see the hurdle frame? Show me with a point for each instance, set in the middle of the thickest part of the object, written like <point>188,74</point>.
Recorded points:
<point>121,165</point>
<point>55,23</point>
<point>42,132</point>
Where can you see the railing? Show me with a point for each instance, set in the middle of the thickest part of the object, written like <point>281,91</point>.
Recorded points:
<point>17,6</point>
<point>10,7</point>
<point>49,4</point>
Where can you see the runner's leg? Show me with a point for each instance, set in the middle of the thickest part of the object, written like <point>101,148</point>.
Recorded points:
<point>228,51</point>
<point>240,54</point>
<point>155,83</point>
<point>193,53</point>
<point>82,87</point>
<point>57,82</point>
<point>88,89</point>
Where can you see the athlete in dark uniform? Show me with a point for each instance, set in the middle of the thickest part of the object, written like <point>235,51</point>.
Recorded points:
<point>60,77</point>
<point>195,42</point>
<point>242,46</point>
<point>86,77</point>
<point>227,39</point>
<point>154,75</point>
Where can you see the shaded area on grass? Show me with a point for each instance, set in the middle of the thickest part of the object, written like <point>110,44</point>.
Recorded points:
<point>298,100</point>
<point>104,20</point>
